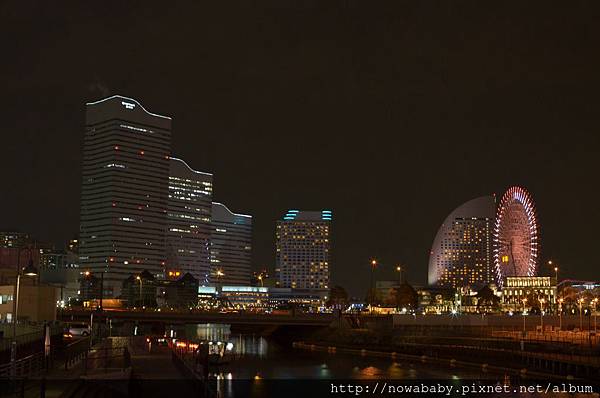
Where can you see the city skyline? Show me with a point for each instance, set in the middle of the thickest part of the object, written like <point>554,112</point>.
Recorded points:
<point>389,126</point>
<point>232,199</point>
<point>175,161</point>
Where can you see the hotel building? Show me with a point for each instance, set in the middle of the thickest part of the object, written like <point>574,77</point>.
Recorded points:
<point>189,221</point>
<point>231,247</point>
<point>461,254</point>
<point>303,249</point>
<point>126,156</point>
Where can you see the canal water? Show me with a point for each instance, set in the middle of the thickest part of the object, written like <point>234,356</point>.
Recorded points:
<point>258,360</point>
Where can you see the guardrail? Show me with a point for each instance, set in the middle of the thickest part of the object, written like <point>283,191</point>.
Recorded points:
<point>28,367</point>
<point>186,367</point>
<point>579,338</point>
<point>15,376</point>
<point>101,356</point>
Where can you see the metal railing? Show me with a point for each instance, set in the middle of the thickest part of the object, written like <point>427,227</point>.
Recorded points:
<point>28,367</point>
<point>186,366</point>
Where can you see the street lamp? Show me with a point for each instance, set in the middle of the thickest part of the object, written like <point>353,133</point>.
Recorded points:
<point>560,301</point>
<point>371,290</point>
<point>260,278</point>
<point>30,270</point>
<point>542,314</point>
<point>524,302</point>
<point>139,278</point>
<point>581,300</point>
<point>399,269</point>
<point>595,301</point>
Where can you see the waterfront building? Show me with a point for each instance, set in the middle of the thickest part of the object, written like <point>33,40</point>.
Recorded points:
<point>139,290</point>
<point>189,221</point>
<point>540,292</point>
<point>231,247</point>
<point>259,297</point>
<point>181,293</point>
<point>436,299</point>
<point>245,297</point>
<point>37,302</point>
<point>462,251</point>
<point>303,250</point>
<point>126,152</point>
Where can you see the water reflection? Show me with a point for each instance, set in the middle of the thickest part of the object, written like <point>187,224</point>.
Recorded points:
<point>257,358</point>
<point>210,332</point>
<point>243,344</point>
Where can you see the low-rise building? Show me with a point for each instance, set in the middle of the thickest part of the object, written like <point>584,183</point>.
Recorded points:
<point>140,290</point>
<point>181,293</point>
<point>37,303</point>
<point>255,297</point>
<point>526,292</point>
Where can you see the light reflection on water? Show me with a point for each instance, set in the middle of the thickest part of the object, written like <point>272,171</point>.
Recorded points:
<point>243,345</point>
<point>258,358</point>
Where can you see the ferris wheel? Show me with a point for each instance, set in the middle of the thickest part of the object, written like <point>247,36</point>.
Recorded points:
<point>516,243</point>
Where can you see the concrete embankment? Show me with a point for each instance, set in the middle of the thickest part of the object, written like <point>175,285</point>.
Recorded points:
<point>487,354</point>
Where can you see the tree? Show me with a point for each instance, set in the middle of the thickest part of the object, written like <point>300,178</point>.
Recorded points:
<point>487,299</point>
<point>338,298</point>
<point>371,298</point>
<point>406,296</point>
<point>569,295</point>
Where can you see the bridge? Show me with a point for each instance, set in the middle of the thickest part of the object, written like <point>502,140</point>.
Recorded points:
<point>194,317</point>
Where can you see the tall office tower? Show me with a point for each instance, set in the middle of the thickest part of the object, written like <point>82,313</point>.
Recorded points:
<point>462,252</point>
<point>303,249</point>
<point>189,220</point>
<point>231,247</point>
<point>124,193</point>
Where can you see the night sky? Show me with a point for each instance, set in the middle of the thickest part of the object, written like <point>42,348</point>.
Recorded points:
<point>389,114</point>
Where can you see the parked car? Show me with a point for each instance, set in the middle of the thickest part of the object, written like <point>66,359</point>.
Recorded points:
<point>79,330</point>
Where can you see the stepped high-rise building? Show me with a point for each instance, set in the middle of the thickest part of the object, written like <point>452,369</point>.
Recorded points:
<point>462,252</point>
<point>124,192</point>
<point>231,246</point>
<point>189,221</point>
<point>303,249</point>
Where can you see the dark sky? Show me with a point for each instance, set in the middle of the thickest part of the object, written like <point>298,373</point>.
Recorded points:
<point>390,114</point>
